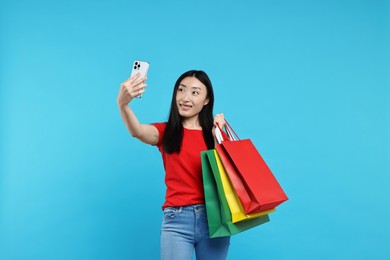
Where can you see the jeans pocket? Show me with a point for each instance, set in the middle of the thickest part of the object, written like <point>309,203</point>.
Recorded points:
<point>170,212</point>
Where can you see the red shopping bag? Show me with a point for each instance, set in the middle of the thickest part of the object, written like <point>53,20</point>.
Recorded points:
<point>255,185</point>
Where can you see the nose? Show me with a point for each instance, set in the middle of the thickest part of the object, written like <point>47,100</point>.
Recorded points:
<point>186,96</point>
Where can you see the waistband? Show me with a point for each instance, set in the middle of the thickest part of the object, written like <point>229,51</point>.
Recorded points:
<point>195,207</point>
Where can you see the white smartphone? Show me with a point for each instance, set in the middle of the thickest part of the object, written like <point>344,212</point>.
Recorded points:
<point>142,67</point>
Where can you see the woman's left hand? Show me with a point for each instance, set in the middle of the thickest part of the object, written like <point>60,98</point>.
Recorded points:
<point>220,120</point>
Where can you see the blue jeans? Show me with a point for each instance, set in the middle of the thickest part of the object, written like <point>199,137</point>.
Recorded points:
<point>184,230</point>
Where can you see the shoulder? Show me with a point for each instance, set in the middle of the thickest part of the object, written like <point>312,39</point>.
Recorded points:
<point>160,126</point>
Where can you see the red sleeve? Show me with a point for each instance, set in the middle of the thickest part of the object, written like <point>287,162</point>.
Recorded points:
<point>161,129</point>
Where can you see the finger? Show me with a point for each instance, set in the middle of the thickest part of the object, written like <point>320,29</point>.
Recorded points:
<point>133,78</point>
<point>126,83</point>
<point>220,116</point>
<point>139,81</point>
<point>135,91</point>
<point>133,85</point>
<point>217,122</point>
<point>140,86</point>
<point>220,122</point>
<point>126,87</point>
<point>123,88</point>
<point>138,92</point>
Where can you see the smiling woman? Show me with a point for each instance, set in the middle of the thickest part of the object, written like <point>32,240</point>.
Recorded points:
<point>180,141</point>
<point>191,97</point>
<point>190,109</point>
<point>306,81</point>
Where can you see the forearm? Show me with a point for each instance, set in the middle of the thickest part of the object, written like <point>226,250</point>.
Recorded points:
<point>128,90</point>
<point>131,121</point>
<point>145,133</point>
<point>215,138</point>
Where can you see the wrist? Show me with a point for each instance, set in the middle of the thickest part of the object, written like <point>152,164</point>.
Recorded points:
<point>122,106</point>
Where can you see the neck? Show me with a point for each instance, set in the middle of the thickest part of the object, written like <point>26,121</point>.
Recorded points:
<point>191,123</point>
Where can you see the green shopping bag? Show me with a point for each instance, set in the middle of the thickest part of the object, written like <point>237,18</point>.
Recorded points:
<point>218,214</point>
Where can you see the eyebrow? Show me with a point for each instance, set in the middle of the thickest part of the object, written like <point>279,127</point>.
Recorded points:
<point>191,87</point>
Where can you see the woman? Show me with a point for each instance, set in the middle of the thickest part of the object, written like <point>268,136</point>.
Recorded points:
<point>189,131</point>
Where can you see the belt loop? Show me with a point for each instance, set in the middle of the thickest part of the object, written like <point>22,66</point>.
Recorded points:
<point>197,207</point>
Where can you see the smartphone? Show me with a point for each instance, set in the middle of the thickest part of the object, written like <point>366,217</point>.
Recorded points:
<point>141,67</point>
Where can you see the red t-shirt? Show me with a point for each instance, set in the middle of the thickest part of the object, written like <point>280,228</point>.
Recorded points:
<point>183,171</point>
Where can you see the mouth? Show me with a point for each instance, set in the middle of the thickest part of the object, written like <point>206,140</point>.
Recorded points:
<point>185,106</point>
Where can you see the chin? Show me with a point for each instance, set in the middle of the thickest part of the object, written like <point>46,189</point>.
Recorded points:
<point>185,115</point>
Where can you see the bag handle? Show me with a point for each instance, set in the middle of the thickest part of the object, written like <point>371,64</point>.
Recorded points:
<point>232,134</point>
<point>221,135</point>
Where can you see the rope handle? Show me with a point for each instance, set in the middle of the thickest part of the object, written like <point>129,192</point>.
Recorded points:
<point>221,135</point>
<point>231,133</point>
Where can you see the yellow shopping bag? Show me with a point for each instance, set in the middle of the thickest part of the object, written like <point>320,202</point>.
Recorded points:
<point>235,206</point>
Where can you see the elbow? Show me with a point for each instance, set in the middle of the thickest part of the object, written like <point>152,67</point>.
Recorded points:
<point>136,134</point>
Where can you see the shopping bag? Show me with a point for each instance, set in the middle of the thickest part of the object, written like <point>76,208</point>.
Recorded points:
<point>253,182</point>
<point>218,215</point>
<point>235,206</point>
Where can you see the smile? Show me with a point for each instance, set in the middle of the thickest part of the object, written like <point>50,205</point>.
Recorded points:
<point>185,106</point>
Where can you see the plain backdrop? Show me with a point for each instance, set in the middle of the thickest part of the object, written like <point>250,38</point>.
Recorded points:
<point>307,81</point>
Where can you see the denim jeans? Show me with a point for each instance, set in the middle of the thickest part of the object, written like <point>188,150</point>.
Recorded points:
<point>184,230</point>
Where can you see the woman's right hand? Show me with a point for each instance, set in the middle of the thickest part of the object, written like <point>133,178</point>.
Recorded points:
<point>132,87</point>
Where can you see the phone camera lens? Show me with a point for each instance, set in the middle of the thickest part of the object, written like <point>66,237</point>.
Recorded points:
<point>137,65</point>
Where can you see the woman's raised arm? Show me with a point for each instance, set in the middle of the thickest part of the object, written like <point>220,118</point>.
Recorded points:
<point>133,87</point>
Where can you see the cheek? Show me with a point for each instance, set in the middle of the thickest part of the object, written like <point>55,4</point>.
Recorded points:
<point>200,104</point>
<point>179,95</point>
<point>201,101</point>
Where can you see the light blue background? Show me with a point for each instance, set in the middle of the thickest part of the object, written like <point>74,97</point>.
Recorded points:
<point>307,81</point>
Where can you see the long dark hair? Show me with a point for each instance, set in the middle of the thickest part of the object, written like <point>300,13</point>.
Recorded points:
<point>173,135</point>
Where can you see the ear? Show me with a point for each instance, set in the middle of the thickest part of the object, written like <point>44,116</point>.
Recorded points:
<point>206,101</point>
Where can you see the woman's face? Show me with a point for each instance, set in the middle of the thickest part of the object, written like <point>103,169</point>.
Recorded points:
<point>191,96</point>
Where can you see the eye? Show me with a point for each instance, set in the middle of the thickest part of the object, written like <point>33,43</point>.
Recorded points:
<point>195,93</point>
